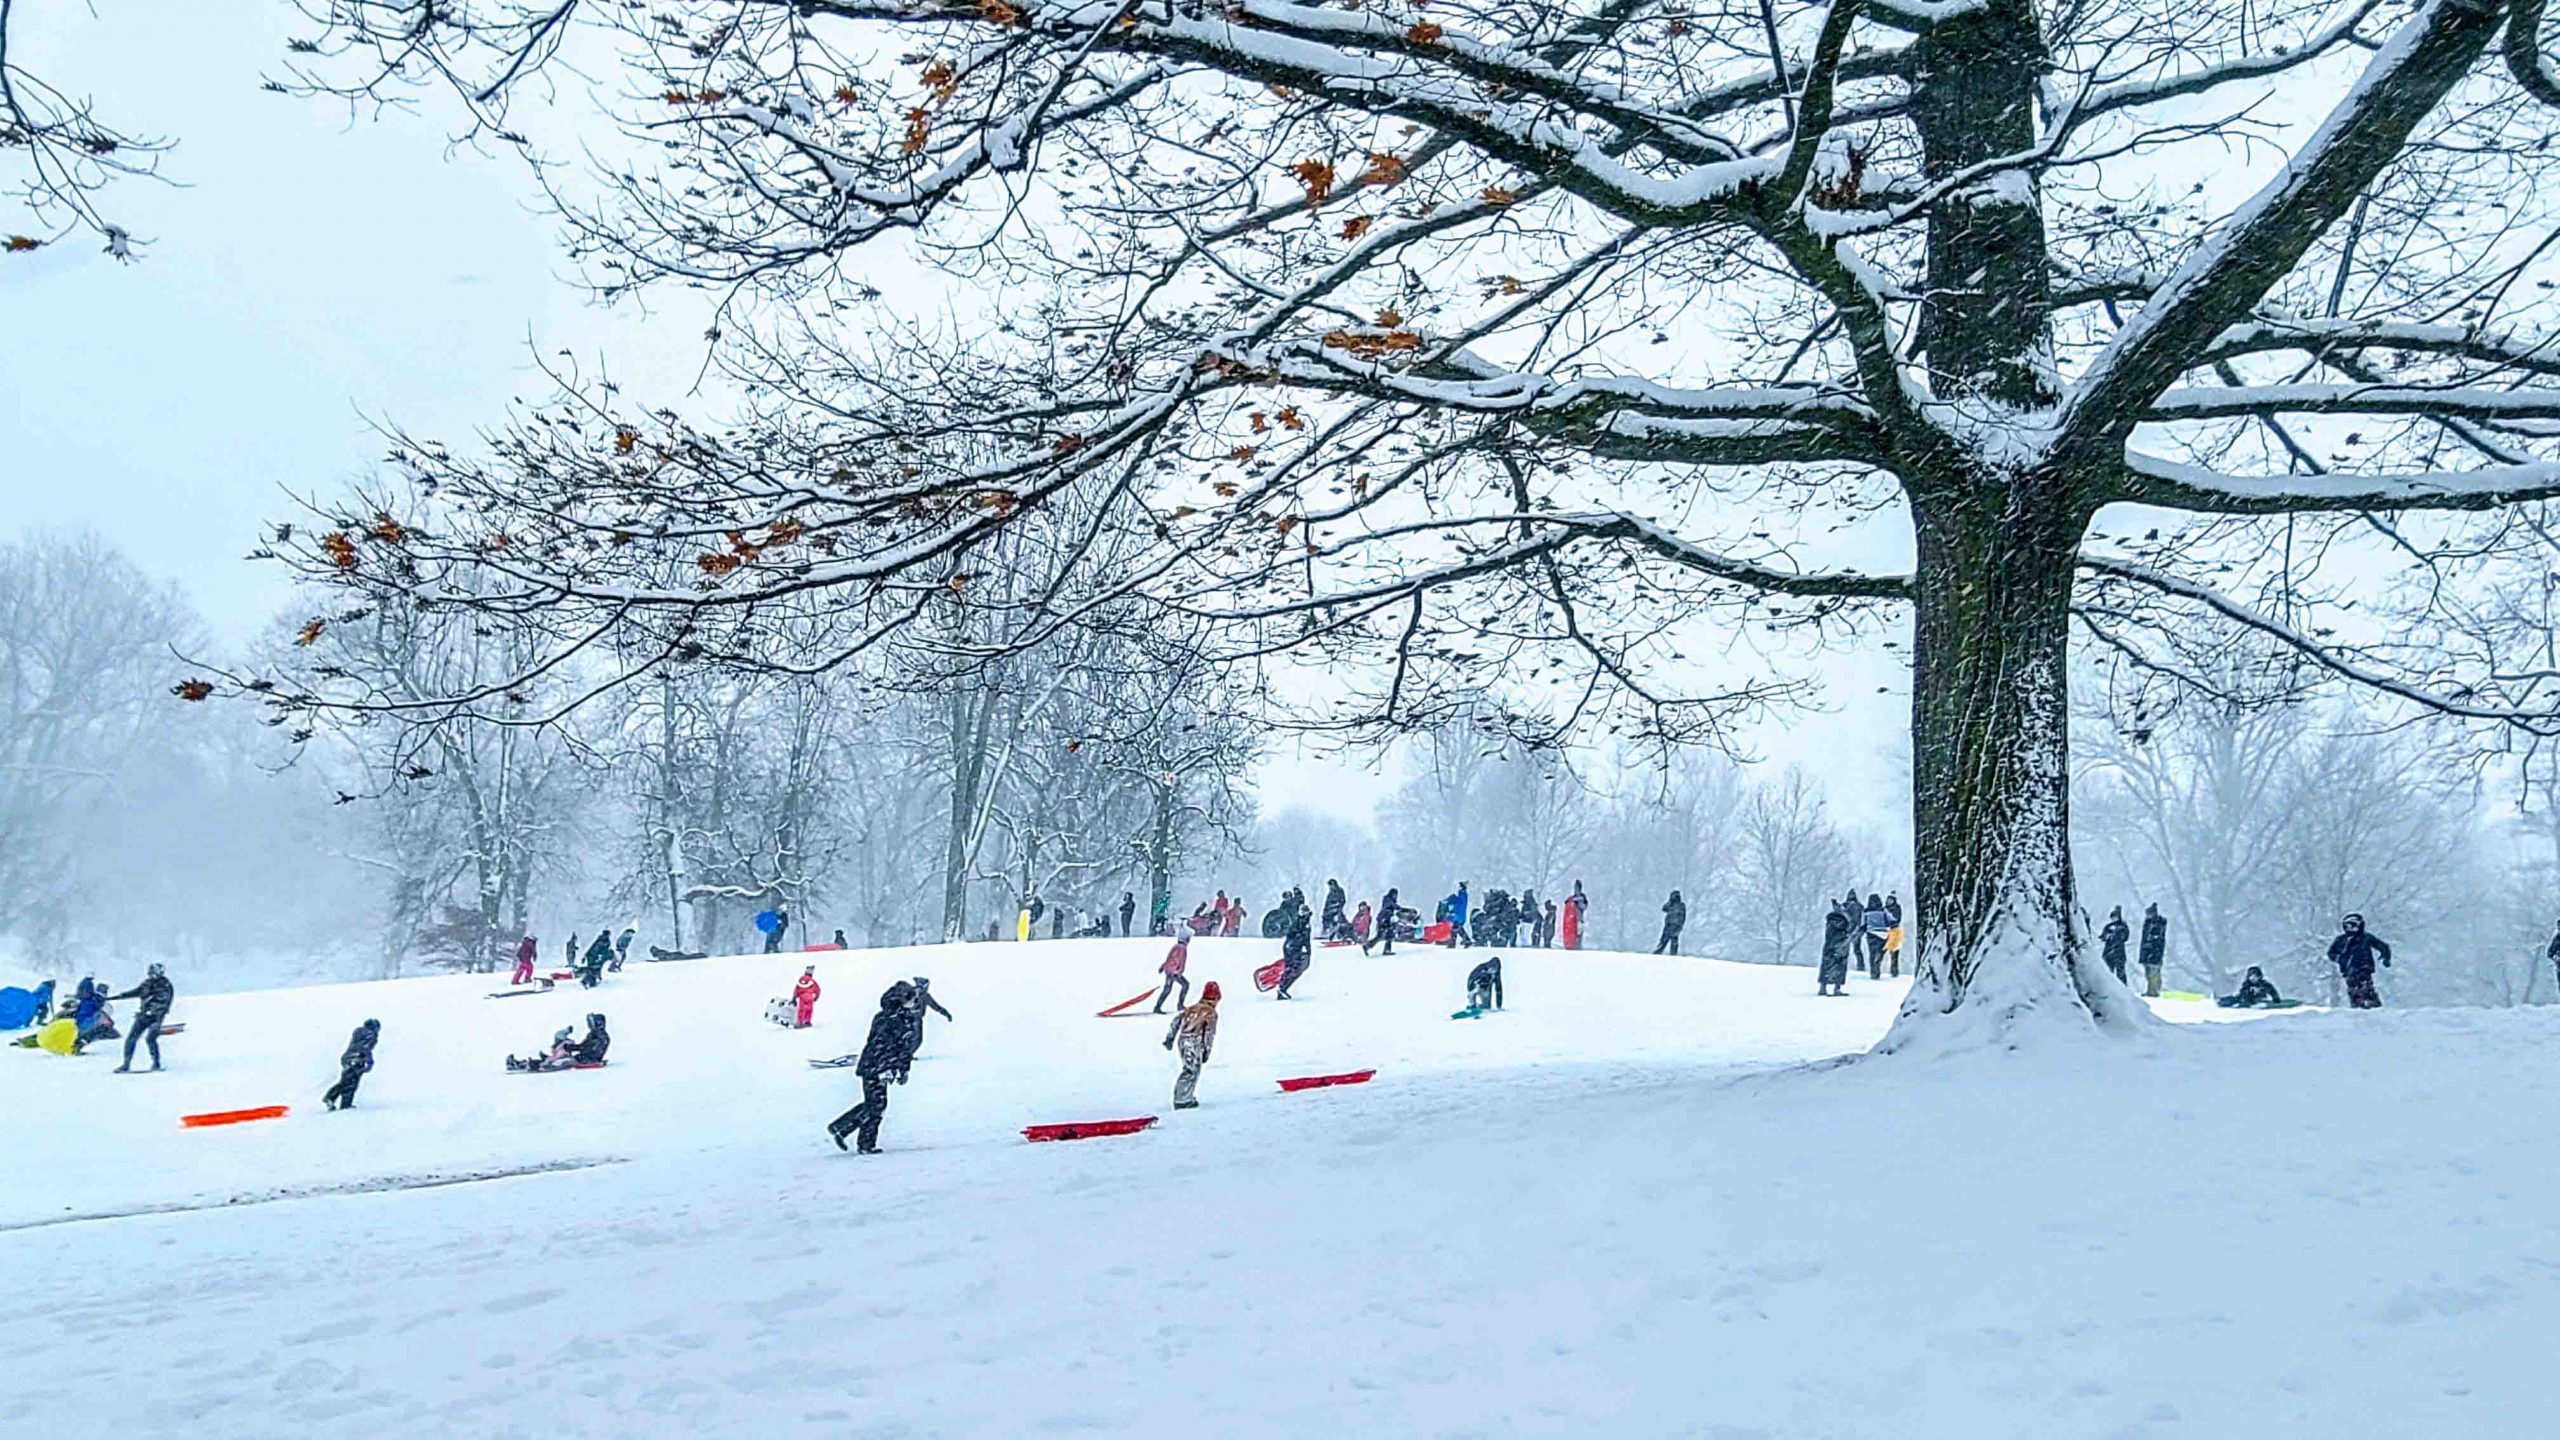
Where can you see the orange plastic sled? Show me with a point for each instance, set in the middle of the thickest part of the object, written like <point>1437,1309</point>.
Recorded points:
<point>1136,999</point>
<point>1320,1082</point>
<point>234,1117</point>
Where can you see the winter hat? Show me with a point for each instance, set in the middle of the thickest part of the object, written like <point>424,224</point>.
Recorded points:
<point>1209,993</point>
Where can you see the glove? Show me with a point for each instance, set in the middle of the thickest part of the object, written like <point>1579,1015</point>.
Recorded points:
<point>1168,1042</point>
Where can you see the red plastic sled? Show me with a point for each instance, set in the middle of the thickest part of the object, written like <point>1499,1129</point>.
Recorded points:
<point>1086,1129</point>
<point>1268,977</point>
<point>234,1117</point>
<point>1437,932</point>
<point>819,949</point>
<point>1318,1082</point>
<point>1125,1004</point>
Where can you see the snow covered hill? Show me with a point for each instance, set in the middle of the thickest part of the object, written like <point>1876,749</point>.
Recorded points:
<point>1622,1207</point>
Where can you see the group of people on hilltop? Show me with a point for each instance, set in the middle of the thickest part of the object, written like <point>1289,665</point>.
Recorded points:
<point>85,1019</point>
<point>1859,934</point>
<point>2115,934</point>
<point>608,951</point>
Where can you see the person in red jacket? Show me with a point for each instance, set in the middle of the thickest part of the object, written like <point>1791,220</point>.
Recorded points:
<point>805,996</point>
<point>524,961</point>
<point>1235,919</point>
<point>1571,920</point>
<point>1217,914</point>
<point>1175,962</point>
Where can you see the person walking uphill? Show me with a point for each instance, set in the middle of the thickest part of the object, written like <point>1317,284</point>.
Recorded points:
<point>599,955</point>
<point>1384,931</point>
<point>2353,952</point>
<point>1194,1030</point>
<point>1675,916</point>
<point>885,1057</point>
<point>2155,948</point>
<point>1176,961</point>
<point>156,994</point>
<point>1296,951</point>
<point>2111,940</point>
<point>526,950</point>
<point>352,1067</point>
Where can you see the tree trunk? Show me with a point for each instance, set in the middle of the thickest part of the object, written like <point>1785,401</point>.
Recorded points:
<point>1999,946</point>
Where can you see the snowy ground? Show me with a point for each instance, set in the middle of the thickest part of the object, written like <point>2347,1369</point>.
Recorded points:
<point>1622,1208</point>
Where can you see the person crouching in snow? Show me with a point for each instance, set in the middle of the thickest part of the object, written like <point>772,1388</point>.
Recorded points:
<point>352,1067</point>
<point>1195,1030</point>
<point>885,1057</point>
<point>1484,985</point>
<point>1176,961</point>
<point>804,998</point>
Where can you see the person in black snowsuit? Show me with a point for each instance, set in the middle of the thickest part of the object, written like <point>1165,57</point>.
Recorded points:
<point>1484,985</point>
<point>2353,952</point>
<point>1296,952</point>
<point>781,927</point>
<point>1337,923</point>
<point>2257,992</point>
<point>156,994</point>
<point>1531,916</point>
<point>352,1066</point>
<point>2111,940</point>
<point>1128,912</point>
<point>1675,914</point>
<point>1382,930</point>
<point>918,1003</point>
<point>885,1057</point>
<point>599,955</point>
<point>2155,948</point>
<point>1833,978</point>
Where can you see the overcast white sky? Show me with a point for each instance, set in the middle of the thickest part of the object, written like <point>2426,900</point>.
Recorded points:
<point>316,275</point>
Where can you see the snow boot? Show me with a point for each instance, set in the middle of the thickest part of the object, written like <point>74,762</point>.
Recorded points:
<point>1186,1105</point>
<point>836,1135</point>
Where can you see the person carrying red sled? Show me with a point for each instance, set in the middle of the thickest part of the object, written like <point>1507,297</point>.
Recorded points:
<point>1194,1031</point>
<point>804,998</point>
<point>1176,961</point>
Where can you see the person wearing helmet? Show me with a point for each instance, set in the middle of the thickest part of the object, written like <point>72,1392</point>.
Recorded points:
<point>352,1066</point>
<point>2354,953</point>
<point>1194,1030</point>
<point>591,1047</point>
<point>885,1057</point>
<point>156,994</point>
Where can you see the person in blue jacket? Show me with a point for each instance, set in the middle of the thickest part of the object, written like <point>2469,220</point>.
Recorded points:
<point>1458,917</point>
<point>88,1008</point>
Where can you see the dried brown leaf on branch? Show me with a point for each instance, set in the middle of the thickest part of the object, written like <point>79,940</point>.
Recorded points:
<point>940,78</point>
<point>309,634</point>
<point>1384,169</point>
<point>1290,419</point>
<point>919,127</point>
<point>1244,452</point>
<point>1497,195</point>
<point>339,548</point>
<point>1423,32</point>
<point>715,564</point>
<point>785,531</point>
<point>386,529</point>
<point>1373,344</point>
<point>624,440</point>
<point>997,12</point>
<point>20,244</point>
<point>1356,226</point>
<point>1067,445</point>
<point>1316,177</point>
<point>192,690</point>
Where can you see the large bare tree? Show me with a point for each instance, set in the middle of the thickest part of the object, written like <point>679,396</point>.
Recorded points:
<point>1520,350</point>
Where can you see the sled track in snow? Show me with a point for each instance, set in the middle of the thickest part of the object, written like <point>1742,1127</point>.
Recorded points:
<point>378,1185</point>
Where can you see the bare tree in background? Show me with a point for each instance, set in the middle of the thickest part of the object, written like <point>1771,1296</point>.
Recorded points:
<point>1791,861</point>
<point>84,638</point>
<point>1512,352</point>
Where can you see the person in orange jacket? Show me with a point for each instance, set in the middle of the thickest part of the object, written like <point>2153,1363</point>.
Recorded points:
<point>1194,1030</point>
<point>1176,961</point>
<point>805,996</point>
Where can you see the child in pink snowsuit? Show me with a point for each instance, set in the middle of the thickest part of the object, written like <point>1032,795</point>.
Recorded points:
<point>805,996</point>
<point>524,962</point>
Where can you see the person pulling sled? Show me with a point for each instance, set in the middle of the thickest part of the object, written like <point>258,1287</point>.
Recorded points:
<point>1176,962</point>
<point>352,1067</point>
<point>157,995</point>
